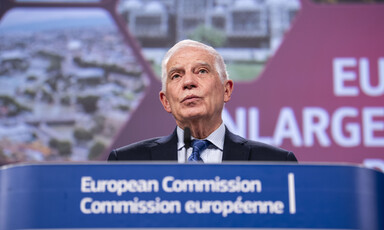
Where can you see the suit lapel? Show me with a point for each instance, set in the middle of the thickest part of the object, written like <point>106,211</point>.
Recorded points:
<point>235,148</point>
<point>165,148</point>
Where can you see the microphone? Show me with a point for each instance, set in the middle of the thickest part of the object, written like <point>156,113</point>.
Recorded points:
<point>187,141</point>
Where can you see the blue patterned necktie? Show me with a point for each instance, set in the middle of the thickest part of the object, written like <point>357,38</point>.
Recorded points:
<point>198,147</point>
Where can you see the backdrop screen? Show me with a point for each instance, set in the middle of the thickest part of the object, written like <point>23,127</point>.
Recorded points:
<point>79,78</point>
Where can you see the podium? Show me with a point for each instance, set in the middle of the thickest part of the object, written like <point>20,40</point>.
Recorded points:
<point>190,196</point>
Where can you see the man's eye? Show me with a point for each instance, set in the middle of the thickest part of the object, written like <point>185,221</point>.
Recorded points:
<point>203,71</point>
<point>175,76</point>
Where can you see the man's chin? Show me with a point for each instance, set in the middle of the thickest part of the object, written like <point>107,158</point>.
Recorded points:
<point>193,116</point>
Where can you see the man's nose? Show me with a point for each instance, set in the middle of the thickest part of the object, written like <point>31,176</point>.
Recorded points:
<point>189,81</point>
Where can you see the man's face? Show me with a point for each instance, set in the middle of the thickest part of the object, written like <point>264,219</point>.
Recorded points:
<point>194,90</point>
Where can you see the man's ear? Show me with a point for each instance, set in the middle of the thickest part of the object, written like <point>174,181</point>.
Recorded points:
<point>228,88</point>
<point>164,101</point>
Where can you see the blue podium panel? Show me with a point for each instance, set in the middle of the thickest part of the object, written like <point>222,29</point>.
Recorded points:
<point>220,196</point>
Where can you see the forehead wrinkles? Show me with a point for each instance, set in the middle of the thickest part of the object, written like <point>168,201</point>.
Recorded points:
<point>190,57</point>
<point>190,53</point>
<point>192,65</point>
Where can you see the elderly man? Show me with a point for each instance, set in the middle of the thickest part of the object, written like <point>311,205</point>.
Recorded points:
<point>195,86</point>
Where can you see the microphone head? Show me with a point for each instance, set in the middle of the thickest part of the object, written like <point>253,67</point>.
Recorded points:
<point>187,137</point>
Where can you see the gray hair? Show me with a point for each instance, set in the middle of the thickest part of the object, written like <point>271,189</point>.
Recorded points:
<point>220,66</point>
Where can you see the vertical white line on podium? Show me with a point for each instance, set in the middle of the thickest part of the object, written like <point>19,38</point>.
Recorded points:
<point>291,193</point>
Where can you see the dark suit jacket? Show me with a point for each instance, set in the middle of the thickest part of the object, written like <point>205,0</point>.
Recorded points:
<point>236,148</point>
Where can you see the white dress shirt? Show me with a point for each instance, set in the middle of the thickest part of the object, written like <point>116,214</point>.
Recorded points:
<point>214,152</point>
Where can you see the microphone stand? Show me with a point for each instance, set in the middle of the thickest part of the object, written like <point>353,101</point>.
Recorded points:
<point>187,141</point>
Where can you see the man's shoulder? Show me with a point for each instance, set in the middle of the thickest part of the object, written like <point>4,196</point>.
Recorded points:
<point>260,151</point>
<point>263,146</point>
<point>141,150</point>
<point>266,152</point>
<point>140,145</point>
<point>136,151</point>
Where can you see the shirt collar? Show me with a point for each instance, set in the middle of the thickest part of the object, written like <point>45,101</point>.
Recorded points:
<point>216,138</point>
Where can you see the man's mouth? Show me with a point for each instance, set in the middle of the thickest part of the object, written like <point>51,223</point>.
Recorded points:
<point>190,98</point>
